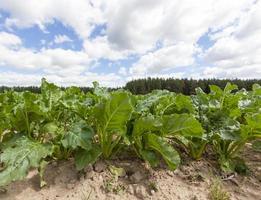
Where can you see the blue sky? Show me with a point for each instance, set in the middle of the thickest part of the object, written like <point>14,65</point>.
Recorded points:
<point>77,42</point>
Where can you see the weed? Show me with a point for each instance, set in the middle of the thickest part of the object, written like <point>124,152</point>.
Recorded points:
<point>217,192</point>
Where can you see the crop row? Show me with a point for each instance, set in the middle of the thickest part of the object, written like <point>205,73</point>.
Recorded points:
<point>58,124</point>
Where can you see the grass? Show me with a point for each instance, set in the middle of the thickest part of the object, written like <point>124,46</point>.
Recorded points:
<point>112,185</point>
<point>217,191</point>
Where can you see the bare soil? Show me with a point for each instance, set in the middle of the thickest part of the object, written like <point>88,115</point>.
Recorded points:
<point>191,181</point>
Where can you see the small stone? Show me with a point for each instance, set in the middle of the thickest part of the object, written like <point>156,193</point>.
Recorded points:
<point>55,163</point>
<point>57,181</point>
<point>152,192</point>
<point>130,189</point>
<point>87,169</point>
<point>72,181</point>
<point>70,186</point>
<point>170,173</point>
<point>194,198</point>
<point>177,172</point>
<point>81,179</point>
<point>137,177</point>
<point>140,192</point>
<point>100,179</point>
<point>100,166</point>
<point>89,175</point>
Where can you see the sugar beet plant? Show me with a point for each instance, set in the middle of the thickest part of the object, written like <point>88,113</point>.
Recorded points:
<point>59,124</point>
<point>230,119</point>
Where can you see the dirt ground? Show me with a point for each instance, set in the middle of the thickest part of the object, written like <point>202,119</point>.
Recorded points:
<point>133,179</point>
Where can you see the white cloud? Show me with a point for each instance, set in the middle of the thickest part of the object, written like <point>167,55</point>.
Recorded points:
<point>17,79</point>
<point>59,39</point>
<point>101,48</point>
<point>169,57</point>
<point>81,15</point>
<point>131,24</point>
<point>139,25</point>
<point>46,59</point>
<point>162,35</point>
<point>63,67</point>
<point>9,40</point>
<point>237,54</point>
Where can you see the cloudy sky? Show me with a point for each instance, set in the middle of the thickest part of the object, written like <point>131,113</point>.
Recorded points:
<point>75,42</point>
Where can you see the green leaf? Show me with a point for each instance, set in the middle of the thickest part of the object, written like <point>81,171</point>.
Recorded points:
<point>146,102</point>
<point>50,92</point>
<point>252,130</point>
<point>142,126</point>
<point>20,157</point>
<point>229,88</point>
<point>150,156</point>
<point>41,170</point>
<point>50,127</point>
<point>183,124</point>
<point>229,130</point>
<point>117,171</point>
<point>100,91</point>
<point>256,89</point>
<point>160,145</point>
<point>184,104</point>
<point>112,116</point>
<point>85,157</point>
<point>254,121</point>
<point>171,103</point>
<point>80,135</point>
<point>146,124</point>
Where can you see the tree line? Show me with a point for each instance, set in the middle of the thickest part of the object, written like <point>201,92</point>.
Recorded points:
<point>146,85</point>
<point>184,86</point>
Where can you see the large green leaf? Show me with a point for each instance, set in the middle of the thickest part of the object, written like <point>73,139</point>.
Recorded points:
<point>100,91</point>
<point>146,124</point>
<point>146,102</point>
<point>183,124</point>
<point>113,113</point>
<point>160,145</point>
<point>51,93</point>
<point>85,157</point>
<point>150,156</point>
<point>20,157</point>
<point>142,126</point>
<point>172,103</point>
<point>254,125</point>
<point>229,129</point>
<point>256,89</point>
<point>80,135</point>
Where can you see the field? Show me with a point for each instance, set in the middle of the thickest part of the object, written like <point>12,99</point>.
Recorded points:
<point>67,144</point>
